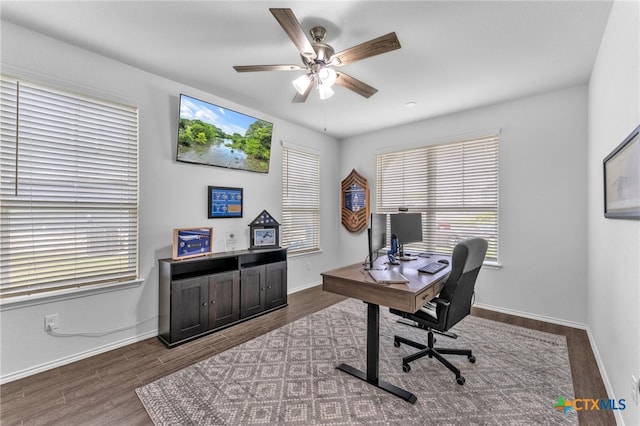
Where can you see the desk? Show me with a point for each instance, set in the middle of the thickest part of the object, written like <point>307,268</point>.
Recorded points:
<point>353,281</point>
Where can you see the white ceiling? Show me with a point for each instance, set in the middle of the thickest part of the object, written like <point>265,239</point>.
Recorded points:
<point>455,55</point>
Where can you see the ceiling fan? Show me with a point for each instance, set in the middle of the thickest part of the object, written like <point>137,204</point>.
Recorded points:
<point>319,59</point>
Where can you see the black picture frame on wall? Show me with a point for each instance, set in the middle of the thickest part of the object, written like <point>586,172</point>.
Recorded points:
<point>621,171</point>
<point>224,202</point>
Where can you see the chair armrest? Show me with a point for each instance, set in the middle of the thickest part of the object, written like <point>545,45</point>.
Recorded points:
<point>441,302</point>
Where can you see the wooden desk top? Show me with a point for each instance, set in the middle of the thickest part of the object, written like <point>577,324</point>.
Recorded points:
<point>354,281</point>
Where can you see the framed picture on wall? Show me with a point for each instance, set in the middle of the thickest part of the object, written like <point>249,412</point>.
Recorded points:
<point>621,170</point>
<point>224,202</point>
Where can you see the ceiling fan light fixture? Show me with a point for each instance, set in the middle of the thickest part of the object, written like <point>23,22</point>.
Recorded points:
<point>325,91</point>
<point>328,76</point>
<point>302,83</point>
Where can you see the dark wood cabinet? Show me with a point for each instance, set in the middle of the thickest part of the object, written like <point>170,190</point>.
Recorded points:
<point>189,306</point>
<point>201,295</point>
<point>252,295</point>
<point>263,288</point>
<point>224,297</point>
<point>276,291</point>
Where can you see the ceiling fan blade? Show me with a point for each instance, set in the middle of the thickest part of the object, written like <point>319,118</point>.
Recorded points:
<point>251,68</point>
<point>292,27</point>
<point>376,46</point>
<point>300,98</point>
<point>355,85</point>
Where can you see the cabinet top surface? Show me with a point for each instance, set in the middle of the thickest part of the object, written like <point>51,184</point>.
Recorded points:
<point>222,255</point>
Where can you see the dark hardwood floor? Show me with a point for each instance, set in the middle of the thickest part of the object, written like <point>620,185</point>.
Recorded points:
<point>101,390</point>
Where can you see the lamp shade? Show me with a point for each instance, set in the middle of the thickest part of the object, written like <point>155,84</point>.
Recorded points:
<point>325,91</point>
<point>302,83</point>
<point>328,76</point>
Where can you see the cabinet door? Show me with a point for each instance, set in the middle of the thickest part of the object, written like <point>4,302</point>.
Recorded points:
<point>252,286</point>
<point>276,291</point>
<point>224,299</point>
<point>189,307</point>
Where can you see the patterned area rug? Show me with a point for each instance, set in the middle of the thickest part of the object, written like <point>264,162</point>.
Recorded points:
<point>288,377</point>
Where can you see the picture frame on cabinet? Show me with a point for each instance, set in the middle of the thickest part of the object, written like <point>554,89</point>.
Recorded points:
<point>192,242</point>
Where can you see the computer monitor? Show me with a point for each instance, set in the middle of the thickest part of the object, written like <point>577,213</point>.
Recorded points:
<point>407,227</point>
<point>376,235</point>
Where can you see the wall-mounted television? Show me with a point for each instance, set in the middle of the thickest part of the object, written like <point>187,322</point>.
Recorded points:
<point>216,136</point>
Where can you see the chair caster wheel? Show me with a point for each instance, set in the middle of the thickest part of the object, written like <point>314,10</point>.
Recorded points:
<point>396,343</point>
<point>460,380</point>
<point>406,368</point>
<point>472,359</point>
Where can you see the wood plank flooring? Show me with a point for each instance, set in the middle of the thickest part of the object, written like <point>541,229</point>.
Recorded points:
<point>101,390</point>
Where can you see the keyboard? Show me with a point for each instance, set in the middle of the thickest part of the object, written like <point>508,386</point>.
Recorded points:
<point>432,268</point>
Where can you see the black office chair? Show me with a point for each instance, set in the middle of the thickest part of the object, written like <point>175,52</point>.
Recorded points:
<point>452,305</point>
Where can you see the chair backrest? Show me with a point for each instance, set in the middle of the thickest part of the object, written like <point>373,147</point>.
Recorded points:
<point>466,261</point>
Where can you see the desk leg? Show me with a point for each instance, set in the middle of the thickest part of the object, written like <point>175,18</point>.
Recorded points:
<point>373,353</point>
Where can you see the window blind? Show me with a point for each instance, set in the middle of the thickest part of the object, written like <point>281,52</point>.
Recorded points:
<point>454,186</point>
<point>68,190</point>
<point>300,200</point>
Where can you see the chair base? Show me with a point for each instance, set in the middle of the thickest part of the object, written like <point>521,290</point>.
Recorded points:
<point>432,352</point>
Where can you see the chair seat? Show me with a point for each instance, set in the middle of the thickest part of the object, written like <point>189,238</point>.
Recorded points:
<point>423,318</point>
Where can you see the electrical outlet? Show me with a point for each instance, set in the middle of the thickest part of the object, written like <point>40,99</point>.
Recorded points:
<point>50,322</point>
<point>635,389</point>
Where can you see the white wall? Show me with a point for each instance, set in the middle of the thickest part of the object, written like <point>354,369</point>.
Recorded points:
<point>172,195</point>
<point>614,245</point>
<point>542,239</point>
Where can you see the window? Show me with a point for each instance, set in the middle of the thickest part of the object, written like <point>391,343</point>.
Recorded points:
<point>68,190</point>
<point>454,185</point>
<point>300,200</point>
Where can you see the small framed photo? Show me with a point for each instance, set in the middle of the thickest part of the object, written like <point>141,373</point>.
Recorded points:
<point>264,232</point>
<point>265,237</point>
<point>224,202</point>
<point>622,179</point>
<point>192,242</point>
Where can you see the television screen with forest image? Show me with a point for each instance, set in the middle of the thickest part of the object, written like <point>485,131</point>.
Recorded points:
<point>212,135</point>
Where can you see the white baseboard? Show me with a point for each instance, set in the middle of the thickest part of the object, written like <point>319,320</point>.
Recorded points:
<point>75,357</point>
<point>533,316</point>
<point>603,373</point>
<point>304,287</point>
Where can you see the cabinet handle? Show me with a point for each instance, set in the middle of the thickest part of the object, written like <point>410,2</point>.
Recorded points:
<point>204,304</point>
<point>212,302</point>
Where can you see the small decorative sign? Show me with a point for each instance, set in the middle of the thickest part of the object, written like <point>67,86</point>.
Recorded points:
<point>192,242</point>
<point>224,202</point>
<point>264,231</point>
<point>230,241</point>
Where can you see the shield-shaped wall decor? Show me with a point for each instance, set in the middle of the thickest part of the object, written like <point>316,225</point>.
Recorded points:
<point>355,202</point>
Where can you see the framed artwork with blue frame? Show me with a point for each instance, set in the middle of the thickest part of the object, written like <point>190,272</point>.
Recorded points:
<point>224,202</point>
<point>191,242</point>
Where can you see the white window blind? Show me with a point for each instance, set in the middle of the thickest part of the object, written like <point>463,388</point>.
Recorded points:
<point>68,190</point>
<point>455,186</point>
<point>300,200</point>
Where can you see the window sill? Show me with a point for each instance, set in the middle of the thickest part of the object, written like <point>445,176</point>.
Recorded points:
<point>492,265</point>
<point>304,254</point>
<point>66,294</point>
